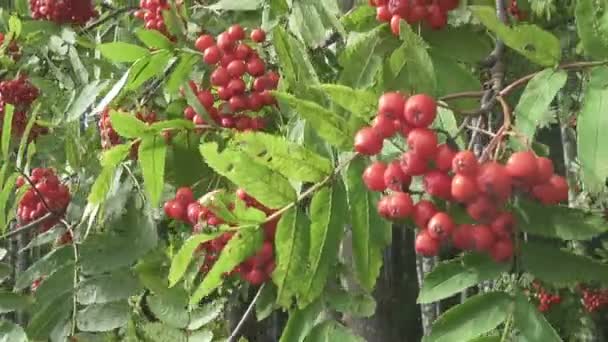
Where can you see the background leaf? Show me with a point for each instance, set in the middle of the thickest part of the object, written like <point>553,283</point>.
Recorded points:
<point>591,17</point>
<point>531,324</point>
<point>152,156</point>
<point>103,317</point>
<point>122,52</point>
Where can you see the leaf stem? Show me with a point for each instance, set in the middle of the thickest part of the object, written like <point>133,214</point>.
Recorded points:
<point>507,328</point>
<point>233,336</point>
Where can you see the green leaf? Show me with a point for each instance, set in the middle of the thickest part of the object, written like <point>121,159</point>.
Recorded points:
<point>356,305</point>
<point>122,52</point>
<point>330,331</point>
<point>56,284</point>
<point>47,318</point>
<point>591,129</point>
<point>113,93</point>
<point>106,288</point>
<point>359,61</point>
<point>453,276</point>
<point>535,101</point>
<point>558,222</point>
<point>15,26</point>
<point>5,271</point>
<point>591,18</point>
<point>184,256</point>
<point>452,77</point>
<point>463,44</point>
<point>45,266</point>
<point>362,103</point>
<point>85,99</point>
<point>531,324</point>
<point>478,315</point>
<point>241,5</point>
<point>540,259</point>
<point>175,124</point>
<point>539,46</point>
<point>306,22</point>
<point>265,305</point>
<point>153,39</point>
<point>292,243</point>
<point>300,323</point>
<point>171,307</point>
<point>328,211</point>
<point>370,233</point>
<point>245,243</point>
<point>206,313</point>
<point>7,126</point>
<point>254,178</point>
<point>360,19</point>
<point>103,317</point>
<point>152,156</point>
<point>181,72</point>
<point>10,302</point>
<point>193,102</point>
<point>109,161</point>
<point>127,125</point>
<point>10,332</point>
<point>293,161</point>
<point>146,68</point>
<point>327,124</point>
<point>159,332</point>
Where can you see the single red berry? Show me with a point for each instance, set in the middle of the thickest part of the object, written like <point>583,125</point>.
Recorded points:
<point>494,180</point>
<point>440,226</point>
<point>399,7</point>
<point>203,42</point>
<point>236,32</point>
<point>504,225</point>
<point>464,188</point>
<point>373,176</point>
<point>212,55</point>
<point>258,35</point>
<point>423,142</point>
<point>522,167</point>
<point>502,250</point>
<point>194,212</point>
<point>391,105</point>
<point>255,277</point>
<point>412,164</point>
<point>445,156</point>
<point>436,17</point>
<point>420,110</point>
<point>400,205</point>
<point>462,237</point>
<point>394,177</point>
<point>256,67</point>
<point>384,207</point>
<point>465,163</point>
<point>220,77</point>
<point>423,212</point>
<point>368,142</point>
<point>396,24</point>
<point>425,245</point>
<point>417,14</point>
<point>545,170</point>
<point>236,68</point>
<point>438,184</point>
<point>383,14</point>
<point>482,209</point>
<point>184,195</point>
<point>483,238</point>
<point>225,42</point>
<point>560,184</point>
<point>384,126</point>
<point>175,210</point>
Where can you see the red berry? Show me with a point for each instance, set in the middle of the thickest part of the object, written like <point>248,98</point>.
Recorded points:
<point>203,42</point>
<point>423,142</point>
<point>220,77</point>
<point>384,126</point>
<point>464,188</point>
<point>420,110</point>
<point>184,195</point>
<point>417,13</point>
<point>236,68</point>
<point>255,277</point>
<point>396,24</point>
<point>545,170</point>
<point>522,167</point>
<point>399,7</point>
<point>256,67</point>
<point>494,180</point>
<point>438,184</point>
<point>440,226</point>
<point>483,238</point>
<point>445,156</point>
<point>423,212</point>
<point>225,42</point>
<point>383,14</point>
<point>384,207</point>
<point>560,184</point>
<point>425,245</point>
<point>462,237</point>
<point>373,176</point>
<point>400,205</point>
<point>194,212</point>
<point>391,105</point>
<point>258,35</point>
<point>482,209</point>
<point>504,225</point>
<point>436,17</point>
<point>368,142</point>
<point>175,210</point>
<point>412,164</point>
<point>465,163</point>
<point>502,250</point>
<point>236,32</point>
<point>395,179</point>
<point>212,55</point>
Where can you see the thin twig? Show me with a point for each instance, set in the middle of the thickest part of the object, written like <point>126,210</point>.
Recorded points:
<point>463,95</point>
<point>109,17</point>
<point>239,326</point>
<point>26,228</point>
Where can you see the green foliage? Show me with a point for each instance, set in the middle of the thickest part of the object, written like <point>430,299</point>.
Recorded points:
<point>591,17</point>
<point>531,323</point>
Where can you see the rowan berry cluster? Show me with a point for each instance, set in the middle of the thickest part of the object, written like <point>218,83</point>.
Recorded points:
<point>47,195</point>
<point>20,93</point>
<point>450,176</point>
<point>12,49</point>
<point>77,12</point>
<point>594,300</point>
<point>151,12</point>
<point>545,299</point>
<point>432,12</point>
<point>240,80</point>
<point>515,11</point>
<point>110,138</point>
<point>256,269</point>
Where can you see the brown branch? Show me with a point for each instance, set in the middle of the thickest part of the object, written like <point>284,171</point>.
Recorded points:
<point>462,95</point>
<point>26,228</point>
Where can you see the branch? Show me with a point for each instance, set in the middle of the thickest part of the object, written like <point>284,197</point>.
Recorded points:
<point>26,228</point>
<point>109,17</point>
<point>239,326</point>
<point>465,94</point>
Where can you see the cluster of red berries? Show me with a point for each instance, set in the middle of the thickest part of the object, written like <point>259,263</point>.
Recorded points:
<point>451,176</point>
<point>515,11</point>
<point>240,80</point>
<point>47,191</point>
<point>20,93</point>
<point>545,299</point>
<point>595,300</point>
<point>77,12</point>
<point>151,12</point>
<point>256,269</point>
<point>433,12</point>
<point>12,48</point>
<point>109,137</point>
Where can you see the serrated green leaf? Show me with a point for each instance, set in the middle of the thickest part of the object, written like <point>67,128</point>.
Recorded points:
<point>46,319</point>
<point>530,323</point>
<point>463,44</point>
<point>115,155</point>
<point>85,99</point>
<point>7,126</point>
<point>359,61</point>
<point>540,258</point>
<point>10,302</point>
<point>330,331</point>
<point>159,332</point>
<point>292,243</point>
<point>558,222</point>
<point>242,5</point>
<point>362,103</point>
<point>122,52</point>
<point>452,77</point>
<point>591,24</point>
<point>370,233</point>
<point>253,177</point>
<point>113,93</point>
<point>56,284</point>
<point>360,19</point>
<point>327,124</point>
<point>10,332</point>
<point>106,288</point>
<point>127,125</point>
<point>328,210</point>
<point>451,277</point>
<point>535,101</point>
<point>446,121</point>
<point>153,39</point>
<point>45,266</point>
<point>181,72</point>
<point>103,317</point>
<point>293,161</point>
<point>172,124</point>
<point>306,22</point>
<point>184,256</point>
<point>266,302</point>
<point>206,313</point>
<point>356,305</point>
<point>146,68</point>
<point>300,323</point>
<point>152,157</point>
<point>539,46</point>
<point>478,315</point>
<point>591,130</point>
<point>193,102</point>
<point>171,307</point>
<point>245,243</point>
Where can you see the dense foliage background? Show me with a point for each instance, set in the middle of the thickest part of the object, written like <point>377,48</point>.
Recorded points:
<point>169,176</point>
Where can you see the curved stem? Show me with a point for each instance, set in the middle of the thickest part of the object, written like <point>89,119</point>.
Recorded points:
<point>235,333</point>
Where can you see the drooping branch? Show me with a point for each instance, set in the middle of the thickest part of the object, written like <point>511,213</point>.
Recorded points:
<point>235,333</point>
